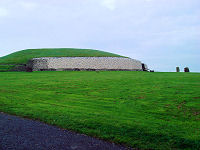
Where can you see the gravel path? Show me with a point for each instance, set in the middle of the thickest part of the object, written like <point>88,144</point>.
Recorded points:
<point>23,134</point>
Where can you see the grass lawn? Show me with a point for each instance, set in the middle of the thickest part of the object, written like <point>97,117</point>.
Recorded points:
<point>139,109</point>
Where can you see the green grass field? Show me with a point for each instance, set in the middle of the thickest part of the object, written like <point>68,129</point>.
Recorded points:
<point>139,109</point>
<point>21,57</point>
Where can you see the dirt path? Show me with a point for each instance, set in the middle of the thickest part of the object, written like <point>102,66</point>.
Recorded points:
<point>23,134</point>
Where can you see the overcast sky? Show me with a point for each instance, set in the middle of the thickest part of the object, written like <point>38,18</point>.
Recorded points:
<point>161,33</point>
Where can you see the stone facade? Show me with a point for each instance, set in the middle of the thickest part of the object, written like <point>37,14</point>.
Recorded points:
<point>84,63</point>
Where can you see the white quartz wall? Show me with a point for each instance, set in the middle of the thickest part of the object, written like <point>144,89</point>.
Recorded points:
<point>100,63</point>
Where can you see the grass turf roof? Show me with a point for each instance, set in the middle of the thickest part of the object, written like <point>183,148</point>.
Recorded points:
<point>21,57</point>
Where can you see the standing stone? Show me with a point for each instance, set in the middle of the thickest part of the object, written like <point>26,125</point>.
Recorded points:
<point>177,69</point>
<point>186,69</point>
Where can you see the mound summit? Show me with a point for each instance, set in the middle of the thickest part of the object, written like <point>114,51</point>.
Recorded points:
<point>67,59</point>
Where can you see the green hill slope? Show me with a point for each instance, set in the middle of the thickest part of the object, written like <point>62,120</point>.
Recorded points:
<point>21,57</point>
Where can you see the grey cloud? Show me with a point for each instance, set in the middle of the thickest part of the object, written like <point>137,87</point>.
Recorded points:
<point>148,30</point>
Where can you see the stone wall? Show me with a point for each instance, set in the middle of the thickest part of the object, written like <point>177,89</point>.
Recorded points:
<point>84,63</point>
<point>37,64</point>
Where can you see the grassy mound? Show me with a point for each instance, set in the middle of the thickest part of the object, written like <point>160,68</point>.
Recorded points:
<point>21,57</point>
<point>140,109</point>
